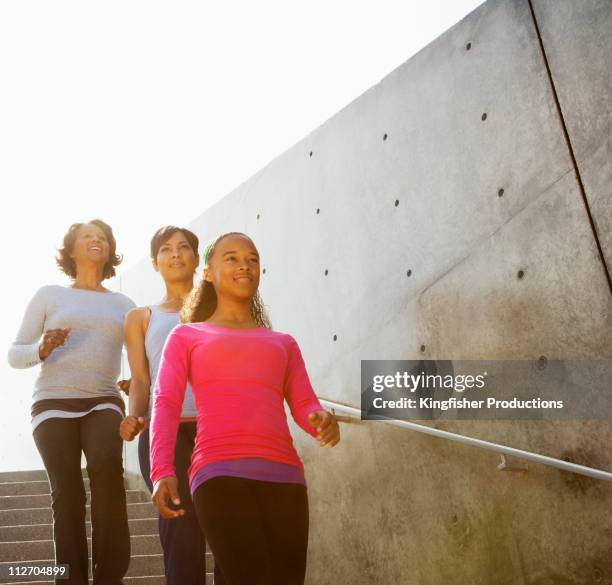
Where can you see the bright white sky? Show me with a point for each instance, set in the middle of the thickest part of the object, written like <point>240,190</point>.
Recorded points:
<point>145,113</point>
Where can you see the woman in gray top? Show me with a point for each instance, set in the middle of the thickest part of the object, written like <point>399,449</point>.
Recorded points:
<point>77,406</point>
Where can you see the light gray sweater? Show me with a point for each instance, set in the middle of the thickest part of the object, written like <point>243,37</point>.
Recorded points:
<point>89,363</point>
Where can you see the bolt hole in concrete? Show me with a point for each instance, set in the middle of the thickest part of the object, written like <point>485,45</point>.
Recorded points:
<point>385,136</point>
<point>396,202</point>
<point>326,271</point>
<point>409,273</point>
<point>318,210</point>
<point>597,575</point>
<point>520,274</point>
<point>483,117</point>
<point>468,46</point>
<point>310,153</point>
<point>422,348</point>
<point>500,193</point>
<point>264,270</point>
<point>335,337</point>
<point>258,216</point>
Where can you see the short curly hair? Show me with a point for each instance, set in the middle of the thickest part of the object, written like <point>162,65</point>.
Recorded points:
<point>67,265</point>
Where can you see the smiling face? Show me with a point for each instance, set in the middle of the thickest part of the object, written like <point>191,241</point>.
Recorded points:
<point>90,245</point>
<point>176,260</point>
<point>233,268</point>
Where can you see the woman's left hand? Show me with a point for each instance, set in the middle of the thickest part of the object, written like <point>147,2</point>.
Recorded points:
<point>124,385</point>
<point>326,426</point>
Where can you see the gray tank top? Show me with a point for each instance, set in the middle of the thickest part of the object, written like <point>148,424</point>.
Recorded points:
<point>160,325</point>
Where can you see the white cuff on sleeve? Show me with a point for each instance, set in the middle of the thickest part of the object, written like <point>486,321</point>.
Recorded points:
<point>24,356</point>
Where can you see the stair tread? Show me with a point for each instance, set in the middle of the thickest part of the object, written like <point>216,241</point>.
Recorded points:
<point>142,580</point>
<point>25,499</point>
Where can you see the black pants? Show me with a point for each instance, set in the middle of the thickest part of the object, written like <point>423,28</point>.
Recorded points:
<point>60,442</point>
<point>257,530</point>
<point>181,538</point>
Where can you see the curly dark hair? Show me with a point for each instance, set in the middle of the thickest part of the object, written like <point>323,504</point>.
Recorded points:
<point>163,234</point>
<point>67,265</point>
<point>201,302</point>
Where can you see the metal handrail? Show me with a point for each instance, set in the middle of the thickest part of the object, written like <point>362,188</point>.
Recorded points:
<point>504,450</point>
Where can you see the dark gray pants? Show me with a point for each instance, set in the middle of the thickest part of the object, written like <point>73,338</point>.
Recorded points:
<point>60,442</point>
<point>181,538</point>
<point>257,530</point>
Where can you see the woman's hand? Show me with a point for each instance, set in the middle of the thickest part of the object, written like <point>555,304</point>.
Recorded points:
<point>130,426</point>
<point>53,338</point>
<point>124,386</point>
<point>327,427</point>
<point>164,490</point>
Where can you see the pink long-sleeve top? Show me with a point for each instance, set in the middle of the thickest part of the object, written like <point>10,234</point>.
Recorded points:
<point>240,379</point>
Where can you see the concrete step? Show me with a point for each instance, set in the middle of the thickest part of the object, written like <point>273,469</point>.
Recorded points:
<point>159,580</point>
<point>21,517</point>
<point>17,552</point>
<point>140,565</point>
<point>30,488</point>
<point>145,580</point>
<point>31,475</point>
<point>44,531</point>
<point>26,530</point>
<point>44,500</point>
<point>144,544</point>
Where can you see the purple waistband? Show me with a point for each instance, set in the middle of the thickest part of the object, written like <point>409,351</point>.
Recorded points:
<point>250,468</point>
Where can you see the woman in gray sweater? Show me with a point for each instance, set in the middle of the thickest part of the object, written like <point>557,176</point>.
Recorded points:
<point>77,406</point>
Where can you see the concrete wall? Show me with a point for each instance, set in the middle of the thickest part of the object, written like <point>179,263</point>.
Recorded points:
<point>423,199</point>
<point>576,37</point>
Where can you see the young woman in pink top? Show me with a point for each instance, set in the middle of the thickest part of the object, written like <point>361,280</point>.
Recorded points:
<point>246,478</point>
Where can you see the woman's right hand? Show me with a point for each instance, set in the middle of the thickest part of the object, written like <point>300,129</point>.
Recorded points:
<point>165,490</point>
<point>53,338</point>
<point>130,426</point>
